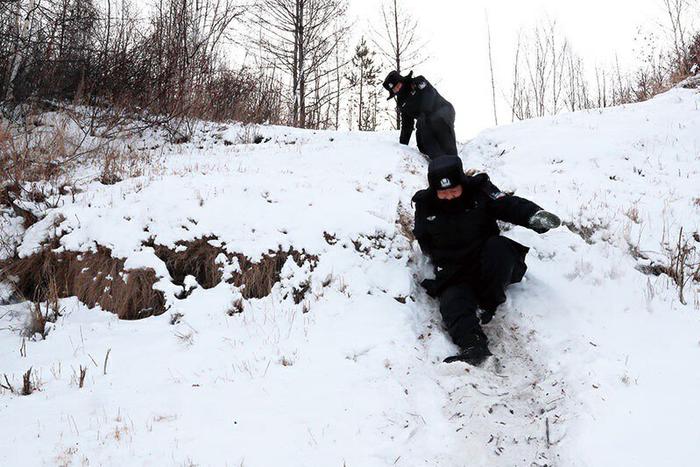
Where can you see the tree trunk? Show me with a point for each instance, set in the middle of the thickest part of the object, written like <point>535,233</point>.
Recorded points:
<point>493,82</point>
<point>295,67</point>
<point>359,109</point>
<point>23,33</point>
<point>398,59</point>
<point>302,67</point>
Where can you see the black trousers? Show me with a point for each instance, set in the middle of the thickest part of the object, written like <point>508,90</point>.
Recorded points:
<point>435,133</point>
<point>460,300</point>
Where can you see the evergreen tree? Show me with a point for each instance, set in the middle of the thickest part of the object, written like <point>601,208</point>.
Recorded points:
<point>363,80</point>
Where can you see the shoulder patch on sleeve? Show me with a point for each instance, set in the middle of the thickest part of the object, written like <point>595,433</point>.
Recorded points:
<point>491,190</point>
<point>495,193</point>
<point>421,84</point>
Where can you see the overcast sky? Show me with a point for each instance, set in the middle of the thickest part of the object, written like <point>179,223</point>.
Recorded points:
<point>456,30</point>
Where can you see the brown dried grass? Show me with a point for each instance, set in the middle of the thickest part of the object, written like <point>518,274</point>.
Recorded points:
<point>32,155</point>
<point>404,221</point>
<point>97,278</point>
<point>27,386</point>
<point>94,277</point>
<point>119,164</point>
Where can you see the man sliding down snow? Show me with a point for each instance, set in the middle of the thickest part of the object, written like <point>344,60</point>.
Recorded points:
<point>455,225</point>
<point>418,100</point>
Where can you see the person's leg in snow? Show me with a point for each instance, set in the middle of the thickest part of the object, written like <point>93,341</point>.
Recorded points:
<point>498,261</point>
<point>443,121</point>
<point>458,306</point>
<point>427,138</point>
<point>435,133</point>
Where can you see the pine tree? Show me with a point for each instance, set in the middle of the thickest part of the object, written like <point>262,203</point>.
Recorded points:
<point>363,80</point>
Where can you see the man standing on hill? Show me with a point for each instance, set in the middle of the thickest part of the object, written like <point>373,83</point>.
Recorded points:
<point>418,100</point>
<point>455,225</point>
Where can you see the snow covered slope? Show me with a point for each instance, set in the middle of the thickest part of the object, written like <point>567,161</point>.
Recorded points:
<point>596,359</point>
<point>626,180</point>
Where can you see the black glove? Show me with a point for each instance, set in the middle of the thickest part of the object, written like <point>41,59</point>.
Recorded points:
<point>543,221</point>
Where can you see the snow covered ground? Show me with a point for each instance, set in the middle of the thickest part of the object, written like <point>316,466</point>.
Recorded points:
<point>596,361</point>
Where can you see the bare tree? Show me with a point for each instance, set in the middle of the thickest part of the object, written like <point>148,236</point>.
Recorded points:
<point>559,47</point>
<point>398,41</point>
<point>301,35</point>
<point>516,95</point>
<point>678,12</point>
<point>547,76</point>
<point>23,15</point>
<point>576,87</point>
<point>493,81</point>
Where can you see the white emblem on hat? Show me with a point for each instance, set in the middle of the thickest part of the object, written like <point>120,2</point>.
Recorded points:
<point>445,183</point>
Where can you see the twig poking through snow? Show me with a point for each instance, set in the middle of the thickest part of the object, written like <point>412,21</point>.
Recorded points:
<point>104,368</point>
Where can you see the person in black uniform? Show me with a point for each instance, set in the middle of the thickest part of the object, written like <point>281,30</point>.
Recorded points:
<point>435,117</point>
<point>455,225</point>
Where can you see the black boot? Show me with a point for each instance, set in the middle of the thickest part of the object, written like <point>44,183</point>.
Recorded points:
<point>474,354</point>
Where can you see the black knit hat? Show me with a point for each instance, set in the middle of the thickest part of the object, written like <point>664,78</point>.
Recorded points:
<point>445,172</point>
<point>392,79</point>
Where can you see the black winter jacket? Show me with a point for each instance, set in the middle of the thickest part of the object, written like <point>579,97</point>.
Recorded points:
<point>417,98</point>
<point>454,239</point>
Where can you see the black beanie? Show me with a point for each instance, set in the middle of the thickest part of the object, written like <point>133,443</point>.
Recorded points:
<point>445,172</point>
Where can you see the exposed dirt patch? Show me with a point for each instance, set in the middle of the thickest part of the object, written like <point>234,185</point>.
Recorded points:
<point>93,277</point>
<point>365,244</point>
<point>196,258</point>
<point>258,278</point>
<point>586,232</point>
<point>204,260</point>
<point>653,269</point>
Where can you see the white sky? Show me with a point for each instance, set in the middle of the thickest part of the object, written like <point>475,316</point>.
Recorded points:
<point>456,30</point>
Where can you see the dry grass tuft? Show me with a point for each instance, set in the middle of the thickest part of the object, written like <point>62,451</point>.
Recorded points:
<point>586,232</point>
<point>682,266</point>
<point>27,386</point>
<point>32,156</point>
<point>119,164</point>
<point>237,307</point>
<point>38,319</point>
<point>404,221</point>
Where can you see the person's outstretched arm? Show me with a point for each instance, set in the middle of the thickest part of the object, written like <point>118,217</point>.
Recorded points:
<point>517,210</point>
